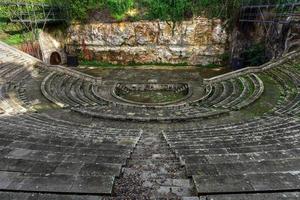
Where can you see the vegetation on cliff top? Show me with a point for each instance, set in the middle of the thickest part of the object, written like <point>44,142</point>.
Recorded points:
<point>171,10</point>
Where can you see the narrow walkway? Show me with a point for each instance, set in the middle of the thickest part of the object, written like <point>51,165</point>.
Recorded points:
<point>153,172</point>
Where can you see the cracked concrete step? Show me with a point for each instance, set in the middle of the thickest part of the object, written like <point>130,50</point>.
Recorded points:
<point>260,182</point>
<point>40,196</point>
<point>261,196</point>
<point>249,167</point>
<point>14,181</point>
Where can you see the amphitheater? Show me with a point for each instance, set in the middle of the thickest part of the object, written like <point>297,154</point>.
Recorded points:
<point>69,135</point>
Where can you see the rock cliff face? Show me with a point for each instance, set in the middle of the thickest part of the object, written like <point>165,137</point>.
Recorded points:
<point>199,41</point>
<point>278,38</point>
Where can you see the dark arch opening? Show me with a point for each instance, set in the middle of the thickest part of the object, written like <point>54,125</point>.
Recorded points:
<point>55,59</point>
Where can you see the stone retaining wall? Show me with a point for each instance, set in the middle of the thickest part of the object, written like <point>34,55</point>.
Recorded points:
<point>199,41</point>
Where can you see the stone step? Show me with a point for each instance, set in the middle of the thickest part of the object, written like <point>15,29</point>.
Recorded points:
<point>260,182</point>
<point>14,181</point>
<point>62,168</point>
<point>45,196</point>
<point>242,157</point>
<point>259,196</point>
<point>250,167</point>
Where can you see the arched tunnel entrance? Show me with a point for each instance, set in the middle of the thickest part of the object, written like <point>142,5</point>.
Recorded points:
<point>55,58</point>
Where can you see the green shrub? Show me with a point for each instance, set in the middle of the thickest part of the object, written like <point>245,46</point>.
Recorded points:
<point>119,8</point>
<point>79,9</point>
<point>169,10</point>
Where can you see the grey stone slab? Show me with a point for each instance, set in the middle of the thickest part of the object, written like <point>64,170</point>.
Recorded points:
<point>195,159</point>
<point>221,184</point>
<point>26,154</point>
<point>102,152</point>
<point>5,142</point>
<point>59,142</point>
<point>245,157</point>
<point>110,159</point>
<point>245,168</point>
<point>77,158</point>
<point>275,181</point>
<point>68,168</point>
<point>44,147</point>
<point>7,178</point>
<point>43,167</point>
<point>93,185</point>
<point>62,197</point>
<point>201,169</point>
<point>20,153</point>
<point>247,183</point>
<point>261,196</point>
<point>20,145</point>
<point>15,196</point>
<point>51,183</point>
<point>202,151</point>
<point>100,169</point>
<point>15,165</point>
<point>4,151</point>
<point>40,196</point>
<point>102,145</point>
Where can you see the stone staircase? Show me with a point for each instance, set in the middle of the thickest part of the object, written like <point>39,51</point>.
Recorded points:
<point>153,172</point>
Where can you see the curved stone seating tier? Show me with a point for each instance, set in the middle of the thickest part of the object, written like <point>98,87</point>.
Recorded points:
<point>231,94</point>
<point>20,92</point>
<point>147,115</point>
<point>9,101</point>
<point>233,91</point>
<point>287,79</point>
<point>122,90</point>
<point>15,67</point>
<point>67,91</point>
<point>234,94</point>
<point>294,75</point>
<point>218,157</point>
<point>85,98</point>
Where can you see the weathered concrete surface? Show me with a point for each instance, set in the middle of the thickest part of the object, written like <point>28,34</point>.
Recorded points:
<point>199,41</point>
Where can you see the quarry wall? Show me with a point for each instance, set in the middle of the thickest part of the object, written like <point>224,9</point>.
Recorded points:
<point>199,41</point>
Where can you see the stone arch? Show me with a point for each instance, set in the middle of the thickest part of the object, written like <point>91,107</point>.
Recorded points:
<point>55,58</point>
